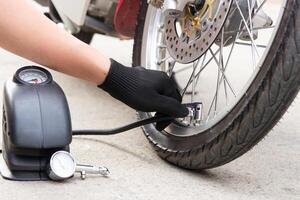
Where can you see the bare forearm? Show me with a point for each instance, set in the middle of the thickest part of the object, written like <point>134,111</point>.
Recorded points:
<point>28,33</point>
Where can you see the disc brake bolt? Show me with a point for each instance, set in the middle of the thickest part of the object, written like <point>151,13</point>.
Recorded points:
<point>196,6</point>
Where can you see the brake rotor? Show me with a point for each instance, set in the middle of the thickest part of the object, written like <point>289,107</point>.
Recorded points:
<point>189,33</point>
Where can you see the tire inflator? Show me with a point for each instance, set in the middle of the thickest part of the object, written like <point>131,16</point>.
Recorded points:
<point>36,124</point>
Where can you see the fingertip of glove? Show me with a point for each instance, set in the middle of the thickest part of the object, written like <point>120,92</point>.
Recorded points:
<point>162,125</point>
<point>183,111</point>
<point>159,128</point>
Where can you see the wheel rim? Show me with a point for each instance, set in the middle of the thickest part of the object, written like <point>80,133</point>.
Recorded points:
<point>214,79</point>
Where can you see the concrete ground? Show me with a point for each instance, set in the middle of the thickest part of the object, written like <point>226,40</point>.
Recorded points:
<point>270,171</point>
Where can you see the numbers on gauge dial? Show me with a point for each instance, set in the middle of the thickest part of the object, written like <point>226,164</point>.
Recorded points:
<point>33,76</point>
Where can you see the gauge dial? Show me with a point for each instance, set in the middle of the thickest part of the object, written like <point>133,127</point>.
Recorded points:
<point>62,164</point>
<point>33,75</point>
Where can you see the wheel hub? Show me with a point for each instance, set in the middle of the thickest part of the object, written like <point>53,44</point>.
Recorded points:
<point>193,13</point>
<point>189,33</point>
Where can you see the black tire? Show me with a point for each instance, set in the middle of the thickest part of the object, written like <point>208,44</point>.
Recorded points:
<point>267,99</point>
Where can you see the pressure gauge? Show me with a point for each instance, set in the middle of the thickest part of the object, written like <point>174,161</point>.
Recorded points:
<point>62,166</point>
<point>32,75</point>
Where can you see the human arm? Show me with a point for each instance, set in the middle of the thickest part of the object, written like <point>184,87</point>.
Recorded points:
<point>28,33</point>
<point>25,31</point>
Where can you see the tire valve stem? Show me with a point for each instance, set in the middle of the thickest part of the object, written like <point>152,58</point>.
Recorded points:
<point>198,114</point>
<point>195,114</point>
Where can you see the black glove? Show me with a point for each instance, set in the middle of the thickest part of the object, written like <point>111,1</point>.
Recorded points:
<point>145,90</point>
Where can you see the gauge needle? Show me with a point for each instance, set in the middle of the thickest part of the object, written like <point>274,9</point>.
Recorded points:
<point>34,80</point>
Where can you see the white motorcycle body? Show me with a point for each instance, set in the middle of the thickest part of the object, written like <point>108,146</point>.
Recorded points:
<point>73,13</point>
<point>74,10</point>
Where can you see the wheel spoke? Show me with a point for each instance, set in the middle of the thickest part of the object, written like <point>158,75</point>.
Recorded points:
<point>246,26</point>
<point>171,66</point>
<point>250,7</point>
<point>215,99</point>
<point>217,94</point>
<point>260,7</point>
<point>223,73</point>
<point>162,60</point>
<point>161,46</point>
<point>190,66</point>
<point>227,62</point>
<point>202,67</point>
<point>262,28</point>
<point>226,65</point>
<point>254,29</point>
<point>194,65</point>
<point>221,58</point>
<point>221,78</point>
<point>231,50</point>
<point>193,81</point>
<point>247,44</point>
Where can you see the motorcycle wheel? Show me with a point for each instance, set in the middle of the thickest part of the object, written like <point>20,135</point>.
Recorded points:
<point>227,130</point>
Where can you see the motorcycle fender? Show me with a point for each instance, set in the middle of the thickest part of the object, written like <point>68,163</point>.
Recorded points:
<point>73,10</point>
<point>126,16</point>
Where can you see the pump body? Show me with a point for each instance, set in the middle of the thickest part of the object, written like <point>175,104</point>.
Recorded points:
<point>36,123</point>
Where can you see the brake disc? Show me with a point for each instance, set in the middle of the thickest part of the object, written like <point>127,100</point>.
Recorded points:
<point>189,33</point>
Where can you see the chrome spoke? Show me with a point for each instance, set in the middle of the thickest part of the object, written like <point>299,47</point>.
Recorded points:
<point>217,93</point>
<point>193,81</point>
<point>263,28</point>
<point>230,52</point>
<point>162,60</point>
<point>223,73</point>
<point>215,99</point>
<point>226,65</point>
<point>207,63</point>
<point>190,66</point>
<point>251,31</point>
<point>161,46</point>
<point>203,66</point>
<point>171,66</point>
<point>246,26</point>
<point>254,29</point>
<point>260,6</point>
<point>221,60</point>
<point>247,44</point>
<point>191,77</point>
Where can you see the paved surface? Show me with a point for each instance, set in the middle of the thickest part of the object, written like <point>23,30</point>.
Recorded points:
<point>270,171</point>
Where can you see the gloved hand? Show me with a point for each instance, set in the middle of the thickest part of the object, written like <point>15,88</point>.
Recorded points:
<point>145,90</point>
